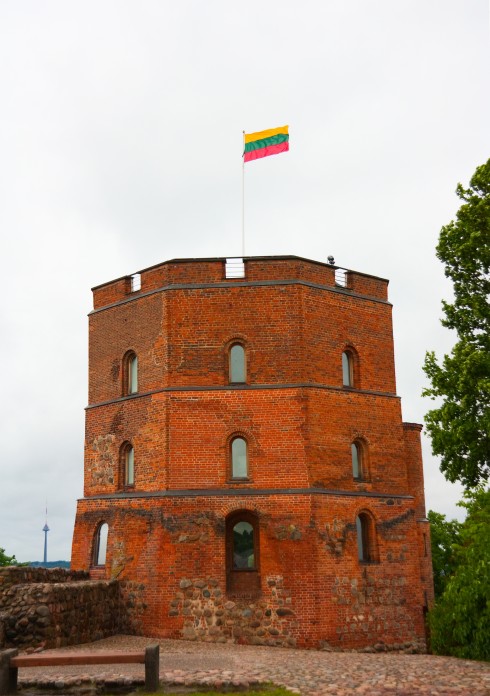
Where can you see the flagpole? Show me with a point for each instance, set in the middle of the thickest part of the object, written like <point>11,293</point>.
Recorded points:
<point>261,144</point>
<point>243,197</point>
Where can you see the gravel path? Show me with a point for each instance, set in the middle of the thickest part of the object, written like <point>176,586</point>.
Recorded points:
<point>308,672</point>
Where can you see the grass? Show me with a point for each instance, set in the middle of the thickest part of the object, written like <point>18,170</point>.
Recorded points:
<point>263,690</point>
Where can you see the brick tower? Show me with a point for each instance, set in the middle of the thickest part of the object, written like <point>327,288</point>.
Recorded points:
<point>248,475</point>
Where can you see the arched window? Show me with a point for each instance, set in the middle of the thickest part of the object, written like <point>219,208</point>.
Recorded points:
<point>366,538</point>
<point>237,370</point>
<point>100,544</point>
<point>243,546</point>
<point>127,464</point>
<point>242,553</point>
<point>359,461</point>
<point>347,369</point>
<point>130,373</point>
<point>239,459</point>
<point>133,374</point>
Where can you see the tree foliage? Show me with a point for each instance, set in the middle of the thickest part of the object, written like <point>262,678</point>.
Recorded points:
<point>6,560</point>
<point>444,535</point>
<point>460,620</point>
<point>460,427</point>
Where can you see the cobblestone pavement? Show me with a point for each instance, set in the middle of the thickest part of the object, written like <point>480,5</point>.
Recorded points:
<point>307,672</point>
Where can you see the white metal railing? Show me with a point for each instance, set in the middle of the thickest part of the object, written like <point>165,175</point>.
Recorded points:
<point>235,268</point>
<point>341,277</point>
<point>135,282</point>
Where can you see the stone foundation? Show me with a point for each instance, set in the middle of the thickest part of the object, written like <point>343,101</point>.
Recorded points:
<point>212,616</point>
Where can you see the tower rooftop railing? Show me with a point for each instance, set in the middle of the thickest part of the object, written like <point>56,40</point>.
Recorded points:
<point>250,270</point>
<point>235,268</point>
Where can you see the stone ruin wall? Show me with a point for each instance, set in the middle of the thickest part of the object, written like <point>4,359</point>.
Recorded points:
<point>51,608</point>
<point>20,575</point>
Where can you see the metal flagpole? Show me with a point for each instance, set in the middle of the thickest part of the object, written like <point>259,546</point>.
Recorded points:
<point>243,197</point>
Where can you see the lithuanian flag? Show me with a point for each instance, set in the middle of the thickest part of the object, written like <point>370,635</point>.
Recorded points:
<point>265,143</point>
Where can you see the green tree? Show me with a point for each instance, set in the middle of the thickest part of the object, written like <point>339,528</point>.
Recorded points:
<point>6,560</point>
<point>460,620</point>
<point>460,427</point>
<point>444,534</point>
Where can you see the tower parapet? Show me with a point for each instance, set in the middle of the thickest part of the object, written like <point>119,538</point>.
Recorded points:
<point>257,269</point>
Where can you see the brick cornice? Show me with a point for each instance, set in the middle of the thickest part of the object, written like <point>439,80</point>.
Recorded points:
<point>234,492</point>
<point>241,387</point>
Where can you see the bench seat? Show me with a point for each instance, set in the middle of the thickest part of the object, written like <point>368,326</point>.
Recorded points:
<point>11,661</point>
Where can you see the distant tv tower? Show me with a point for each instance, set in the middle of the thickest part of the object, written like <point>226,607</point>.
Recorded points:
<point>46,530</point>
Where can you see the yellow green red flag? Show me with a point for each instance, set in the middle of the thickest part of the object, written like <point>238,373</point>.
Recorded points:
<point>265,143</point>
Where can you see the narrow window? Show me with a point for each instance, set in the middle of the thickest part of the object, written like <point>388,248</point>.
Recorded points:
<point>129,466</point>
<point>237,363</point>
<point>243,546</point>
<point>239,465</point>
<point>347,369</point>
<point>365,538</point>
<point>243,554</point>
<point>100,544</point>
<point>132,368</point>
<point>130,373</point>
<point>357,461</point>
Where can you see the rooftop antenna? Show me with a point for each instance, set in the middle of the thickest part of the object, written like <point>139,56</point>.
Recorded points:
<point>46,530</point>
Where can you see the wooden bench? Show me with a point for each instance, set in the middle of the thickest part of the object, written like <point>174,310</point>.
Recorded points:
<point>10,661</point>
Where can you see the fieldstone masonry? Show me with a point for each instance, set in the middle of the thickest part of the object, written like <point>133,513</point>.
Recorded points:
<point>44,608</point>
<point>209,615</point>
<point>103,467</point>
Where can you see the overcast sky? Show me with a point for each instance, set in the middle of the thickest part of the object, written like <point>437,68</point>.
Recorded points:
<point>120,147</point>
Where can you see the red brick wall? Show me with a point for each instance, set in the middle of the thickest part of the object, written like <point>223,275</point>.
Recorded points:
<point>292,334</point>
<point>413,454</point>
<point>111,292</point>
<point>299,422</point>
<point>308,542</point>
<point>296,438</point>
